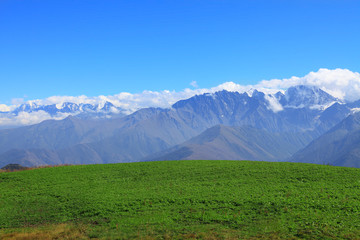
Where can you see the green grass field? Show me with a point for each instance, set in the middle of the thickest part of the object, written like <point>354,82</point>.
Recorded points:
<point>182,199</point>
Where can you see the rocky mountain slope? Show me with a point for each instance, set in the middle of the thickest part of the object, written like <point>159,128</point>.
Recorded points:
<point>236,143</point>
<point>340,146</point>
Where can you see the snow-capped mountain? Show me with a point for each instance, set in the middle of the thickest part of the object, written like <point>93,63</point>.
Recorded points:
<point>70,108</point>
<point>32,112</point>
<point>306,96</point>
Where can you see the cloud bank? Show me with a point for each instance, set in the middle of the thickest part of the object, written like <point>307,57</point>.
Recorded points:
<point>341,83</point>
<point>25,118</point>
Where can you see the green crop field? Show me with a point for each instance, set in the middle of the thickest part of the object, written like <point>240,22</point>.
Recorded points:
<point>182,199</point>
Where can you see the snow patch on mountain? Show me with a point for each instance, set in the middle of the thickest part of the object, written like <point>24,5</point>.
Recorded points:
<point>355,110</point>
<point>250,92</point>
<point>324,106</point>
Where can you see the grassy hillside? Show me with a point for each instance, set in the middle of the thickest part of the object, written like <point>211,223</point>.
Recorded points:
<point>182,199</point>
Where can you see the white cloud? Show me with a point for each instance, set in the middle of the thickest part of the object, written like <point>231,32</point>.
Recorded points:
<point>341,83</point>
<point>231,86</point>
<point>25,118</point>
<point>4,108</point>
<point>274,104</point>
<point>194,84</point>
<point>16,101</point>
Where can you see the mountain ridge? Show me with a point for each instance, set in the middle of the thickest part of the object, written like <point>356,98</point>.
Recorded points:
<point>235,143</point>
<point>340,146</point>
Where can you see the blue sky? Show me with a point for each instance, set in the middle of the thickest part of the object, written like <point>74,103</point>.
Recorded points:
<point>103,47</point>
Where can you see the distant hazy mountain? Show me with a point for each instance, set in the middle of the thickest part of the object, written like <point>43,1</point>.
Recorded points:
<point>236,143</point>
<point>340,146</point>
<point>82,110</point>
<point>39,157</point>
<point>52,134</point>
<point>300,110</point>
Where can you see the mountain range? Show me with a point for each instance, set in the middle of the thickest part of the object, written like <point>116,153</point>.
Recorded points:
<point>253,125</point>
<point>81,110</point>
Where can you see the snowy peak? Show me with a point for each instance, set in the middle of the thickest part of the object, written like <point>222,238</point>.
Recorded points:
<point>108,107</point>
<point>26,107</point>
<point>69,108</point>
<point>307,97</point>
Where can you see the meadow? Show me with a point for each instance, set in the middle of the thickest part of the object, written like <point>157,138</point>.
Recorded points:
<point>181,200</point>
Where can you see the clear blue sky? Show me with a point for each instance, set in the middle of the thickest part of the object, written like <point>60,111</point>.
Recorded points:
<point>94,47</point>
